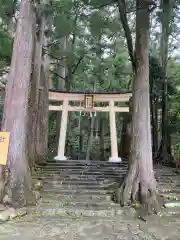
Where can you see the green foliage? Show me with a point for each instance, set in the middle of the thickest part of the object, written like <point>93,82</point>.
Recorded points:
<point>96,53</point>
<point>177,149</point>
<point>5,47</point>
<point>105,64</point>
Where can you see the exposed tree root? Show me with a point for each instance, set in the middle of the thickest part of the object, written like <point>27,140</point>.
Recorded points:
<point>133,190</point>
<point>1,190</point>
<point>3,181</point>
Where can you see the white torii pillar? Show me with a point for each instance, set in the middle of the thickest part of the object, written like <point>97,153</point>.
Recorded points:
<point>112,120</point>
<point>63,129</point>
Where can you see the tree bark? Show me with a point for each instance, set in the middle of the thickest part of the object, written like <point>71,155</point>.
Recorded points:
<point>90,137</point>
<point>164,154</point>
<point>43,103</point>
<point>127,31</point>
<point>81,137</point>
<point>15,118</point>
<point>34,93</point>
<point>102,126</point>
<point>154,124</point>
<point>124,149</point>
<point>42,119</point>
<point>61,70</point>
<point>69,72</point>
<point>140,182</point>
<point>69,76</point>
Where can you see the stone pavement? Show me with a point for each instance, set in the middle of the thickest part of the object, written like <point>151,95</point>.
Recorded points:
<point>60,228</point>
<point>76,205</point>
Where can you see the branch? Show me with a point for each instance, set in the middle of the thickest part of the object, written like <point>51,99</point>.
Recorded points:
<point>53,43</point>
<point>107,4</point>
<point>52,56</point>
<point>55,73</point>
<point>127,31</point>
<point>77,64</point>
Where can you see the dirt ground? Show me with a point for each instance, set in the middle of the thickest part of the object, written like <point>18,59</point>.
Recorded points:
<point>90,228</point>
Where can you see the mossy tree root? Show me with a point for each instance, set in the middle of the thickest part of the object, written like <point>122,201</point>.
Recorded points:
<point>134,189</point>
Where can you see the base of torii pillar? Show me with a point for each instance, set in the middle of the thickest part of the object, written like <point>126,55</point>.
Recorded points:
<point>115,159</point>
<point>60,158</point>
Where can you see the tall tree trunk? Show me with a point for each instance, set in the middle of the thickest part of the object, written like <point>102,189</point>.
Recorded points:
<point>125,143</point>
<point>61,70</point>
<point>90,137</point>
<point>34,93</point>
<point>140,181</point>
<point>16,107</point>
<point>69,74</point>
<point>81,137</point>
<point>124,149</point>
<point>43,110</point>
<point>102,126</point>
<point>154,124</point>
<point>164,154</point>
<point>42,119</point>
<point>68,80</point>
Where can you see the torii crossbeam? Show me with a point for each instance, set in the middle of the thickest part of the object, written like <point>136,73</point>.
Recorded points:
<point>88,101</point>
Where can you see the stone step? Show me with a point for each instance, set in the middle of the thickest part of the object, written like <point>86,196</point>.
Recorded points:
<point>97,179</point>
<point>172,204</point>
<point>60,179</point>
<point>171,196</point>
<point>63,168</point>
<point>94,168</point>
<point>90,204</point>
<point>167,212</point>
<point>94,181</point>
<point>76,197</point>
<point>77,212</point>
<point>90,174</point>
<point>75,191</point>
<point>84,187</point>
<point>58,187</point>
<point>99,170</point>
<point>82,162</point>
<point>77,172</point>
<point>168,189</point>
<point>168,174</point>
<point>47,177</point>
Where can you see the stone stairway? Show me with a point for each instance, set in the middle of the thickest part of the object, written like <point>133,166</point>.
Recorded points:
<point>79,188</point>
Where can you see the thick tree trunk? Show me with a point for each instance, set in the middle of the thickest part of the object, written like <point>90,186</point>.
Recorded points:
<point>34,93</point>
<point>42,120</point>
<point>16,107</point>
<point>140,181</point>
<point>164,154</point>
<point>43,110</point>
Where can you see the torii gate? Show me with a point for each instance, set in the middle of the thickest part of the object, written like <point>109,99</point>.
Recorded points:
<point>87,102</point>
